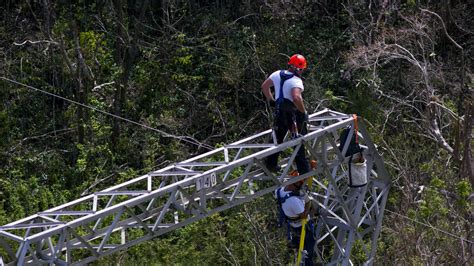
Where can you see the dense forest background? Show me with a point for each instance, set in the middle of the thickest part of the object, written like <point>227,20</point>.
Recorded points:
<point>192,70</point>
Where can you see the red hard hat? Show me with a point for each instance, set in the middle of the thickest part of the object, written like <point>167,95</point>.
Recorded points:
<point>297,61</point>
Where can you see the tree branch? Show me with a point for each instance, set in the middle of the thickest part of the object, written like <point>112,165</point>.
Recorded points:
<point>444,27</point>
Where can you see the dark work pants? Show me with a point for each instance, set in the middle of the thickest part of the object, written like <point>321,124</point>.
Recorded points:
<point>286,115</point>
<point>309,241</point>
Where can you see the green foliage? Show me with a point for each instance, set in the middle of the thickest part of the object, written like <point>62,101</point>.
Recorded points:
<point>358,255</point>
<point>197,72</point>
<point>411,3</point>
<point>225,238</point>
<point>433,202</point>
<point>464,190</point>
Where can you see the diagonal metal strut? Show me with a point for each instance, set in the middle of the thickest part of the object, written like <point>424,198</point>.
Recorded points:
<point>169,198</point>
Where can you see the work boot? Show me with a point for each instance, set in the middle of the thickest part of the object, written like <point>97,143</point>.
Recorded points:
<point>272,165</point>
<point>274,169</point>
<point>296,135</point>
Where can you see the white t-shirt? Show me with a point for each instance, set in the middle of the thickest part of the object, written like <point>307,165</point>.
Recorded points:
<point>294,82</point>
<point>292,207</point>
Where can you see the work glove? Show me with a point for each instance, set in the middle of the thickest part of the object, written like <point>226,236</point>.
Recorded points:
<point>303,117</point>
<point>306,117</point>
<point>305,188</point>
<point>306,198</point>
<point>272,103</point>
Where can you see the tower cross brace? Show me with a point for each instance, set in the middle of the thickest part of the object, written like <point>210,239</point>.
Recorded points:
<point>164,200</point>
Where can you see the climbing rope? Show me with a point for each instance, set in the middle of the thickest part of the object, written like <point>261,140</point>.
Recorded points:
<point>304,221</point>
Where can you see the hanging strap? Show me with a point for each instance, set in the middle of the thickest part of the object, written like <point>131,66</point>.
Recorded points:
<point>356,128</point>
<point>350,171</point>
<point>280,209</point>
<point>282,217</point>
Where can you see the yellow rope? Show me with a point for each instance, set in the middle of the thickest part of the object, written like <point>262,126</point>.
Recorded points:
<point>302,236</point>
<point>303,222</point>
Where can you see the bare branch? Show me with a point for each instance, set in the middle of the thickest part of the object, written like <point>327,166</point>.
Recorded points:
<point>45,135</point>
<point>436,130</point>
<point>454,115</point>
<point>444,27</point>
<point>35,42</point>
<point>103,85</point>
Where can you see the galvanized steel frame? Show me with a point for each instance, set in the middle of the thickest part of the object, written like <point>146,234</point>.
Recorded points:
<point>151,205</point>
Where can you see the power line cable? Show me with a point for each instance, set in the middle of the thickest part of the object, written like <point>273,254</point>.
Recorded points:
<point>432,227</point>
<point>181,138</point>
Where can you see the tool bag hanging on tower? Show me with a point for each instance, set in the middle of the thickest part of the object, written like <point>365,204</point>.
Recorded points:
<point>357,172</point>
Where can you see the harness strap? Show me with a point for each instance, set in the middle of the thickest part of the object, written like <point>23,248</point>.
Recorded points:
<point>280,218</point>
<point>283,77</point>
<point>293,219</point>
<point>283,217</point>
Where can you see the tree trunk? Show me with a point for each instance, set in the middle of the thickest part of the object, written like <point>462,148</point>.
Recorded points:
<point>120,46</point>
<point>467,165</point>
<point>127,53</point>
<point>81,89</point>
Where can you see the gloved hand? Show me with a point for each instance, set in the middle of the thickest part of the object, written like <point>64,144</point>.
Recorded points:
<point>303,117</point>
<point>305,188</point>
<point>306,198</point>
<point>309,201</point>
<point>272,103</point>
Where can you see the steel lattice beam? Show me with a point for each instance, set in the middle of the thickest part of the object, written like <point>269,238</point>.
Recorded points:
<point>151,205</point>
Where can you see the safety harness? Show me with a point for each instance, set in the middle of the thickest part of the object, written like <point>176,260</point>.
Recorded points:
<point>283,217</point>
<point>283,77</point>
<point>281,99</point>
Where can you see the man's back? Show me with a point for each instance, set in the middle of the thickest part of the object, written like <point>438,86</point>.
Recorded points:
<point>294,82</point>
<point>293,206</point>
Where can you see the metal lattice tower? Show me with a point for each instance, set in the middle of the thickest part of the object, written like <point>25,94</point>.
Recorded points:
<point>161,201</point>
